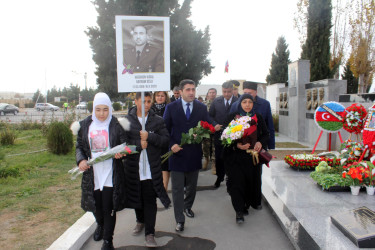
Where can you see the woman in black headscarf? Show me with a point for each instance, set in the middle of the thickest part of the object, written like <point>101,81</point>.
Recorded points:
<point>243,173</point>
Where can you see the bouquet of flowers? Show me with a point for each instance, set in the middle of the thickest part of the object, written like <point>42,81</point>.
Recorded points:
<point>240,128</point>
<point>194,136</point>
<point>370,174</point>
<point>108,154</point>
<point>243,129</point>
<point>356,174</point>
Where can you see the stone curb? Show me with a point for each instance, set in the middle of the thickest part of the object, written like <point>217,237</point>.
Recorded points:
<point>76,235</point>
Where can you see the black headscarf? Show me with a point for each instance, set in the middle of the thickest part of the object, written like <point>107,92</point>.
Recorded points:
<point>240,110</point>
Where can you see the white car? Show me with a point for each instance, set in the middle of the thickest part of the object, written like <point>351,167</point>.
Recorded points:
<point>82,105</point>
<point>46,106</point>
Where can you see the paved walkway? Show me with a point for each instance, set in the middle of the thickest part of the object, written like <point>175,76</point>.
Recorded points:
<point>213,227</point>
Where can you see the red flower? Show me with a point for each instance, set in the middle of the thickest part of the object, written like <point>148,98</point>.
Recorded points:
<point>344,175</point>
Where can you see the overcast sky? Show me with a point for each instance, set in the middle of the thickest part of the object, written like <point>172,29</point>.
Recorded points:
<point>43,42</point>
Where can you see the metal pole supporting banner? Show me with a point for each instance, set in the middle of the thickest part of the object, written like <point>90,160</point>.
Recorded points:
<point>143,129</point>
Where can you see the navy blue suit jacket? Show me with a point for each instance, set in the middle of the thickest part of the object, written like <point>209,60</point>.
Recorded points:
<point>190,157</point>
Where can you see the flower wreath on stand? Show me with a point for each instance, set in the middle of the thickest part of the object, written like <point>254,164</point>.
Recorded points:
<point>354,120</point>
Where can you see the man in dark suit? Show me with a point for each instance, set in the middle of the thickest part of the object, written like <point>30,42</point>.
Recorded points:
<point>176,94</point>
<point>143,57</point>
<point>179,117</point>
<point>219,111</point>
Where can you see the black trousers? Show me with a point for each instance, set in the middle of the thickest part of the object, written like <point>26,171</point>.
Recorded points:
<point>220,170</point>
<point>183,201</point>
<point>104,214</point>
<point>147,214</point>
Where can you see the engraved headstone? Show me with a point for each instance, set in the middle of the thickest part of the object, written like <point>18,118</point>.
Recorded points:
<point>358,225</point>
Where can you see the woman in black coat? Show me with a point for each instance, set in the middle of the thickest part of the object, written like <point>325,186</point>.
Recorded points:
<point>103,184</point>
<point>243,174</point>
<point>144,179</point>
<point>160,99</point>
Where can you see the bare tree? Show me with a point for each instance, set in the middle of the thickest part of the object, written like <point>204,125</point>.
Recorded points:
<point>362,59</point>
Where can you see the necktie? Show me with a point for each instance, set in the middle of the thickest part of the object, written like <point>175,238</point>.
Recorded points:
<point>227,105</point>
<point>187,111</point>
<point>138,55</point>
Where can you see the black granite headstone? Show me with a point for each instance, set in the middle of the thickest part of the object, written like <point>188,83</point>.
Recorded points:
<point>358,225</point>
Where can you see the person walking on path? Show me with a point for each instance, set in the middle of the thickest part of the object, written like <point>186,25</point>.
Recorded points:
<point>261,106</point>
<point>103,183</point>
<point>219,111</point>
<point>207,143</point>
<point>146,183</point>
<point>160,99</point>
<point>243,173</point>
<point>176,94</point>
<point>186,161</point>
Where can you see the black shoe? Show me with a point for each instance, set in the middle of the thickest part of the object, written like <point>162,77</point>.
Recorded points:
<point>239,218</point>
<point>107,245</point>
<point>259,207</point>
<point>245,211</point>
<point>180,226</point>
<point>189,212</point>
<point>98,234</point>
<point>217,183</point>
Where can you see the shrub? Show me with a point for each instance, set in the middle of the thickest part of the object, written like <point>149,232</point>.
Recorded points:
<point>275,118</point>
<point>116,106</point>
<point>28,125</point>
<point>6,171</point>
<point>29,105</point>
<point>59,138</point>
<point>7,137</point>
<point>90,106</point>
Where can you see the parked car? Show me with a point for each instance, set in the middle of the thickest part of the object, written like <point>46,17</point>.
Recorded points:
<point>6,108</point>
<point>46,106</point>
<point>82,105</point>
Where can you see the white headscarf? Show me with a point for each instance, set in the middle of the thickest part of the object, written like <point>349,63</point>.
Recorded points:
<point>102,99</point>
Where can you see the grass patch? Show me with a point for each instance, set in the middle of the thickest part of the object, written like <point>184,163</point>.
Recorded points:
<point>41,200</point>
<point>289,145</point>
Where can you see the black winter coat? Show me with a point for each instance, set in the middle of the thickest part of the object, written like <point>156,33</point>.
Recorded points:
<point>158,137</point>
<point>234,156</point>
<point>83,152</point>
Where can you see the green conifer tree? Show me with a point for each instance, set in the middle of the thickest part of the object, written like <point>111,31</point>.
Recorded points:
<point>279,63</point>
<point>189,48</point>
<point>317,45</point>
<point>352,81</point>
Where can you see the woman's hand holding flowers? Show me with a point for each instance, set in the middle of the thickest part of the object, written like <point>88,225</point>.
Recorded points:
<point>83,165</point>
<point>243,146</point>
<point>258,146</point>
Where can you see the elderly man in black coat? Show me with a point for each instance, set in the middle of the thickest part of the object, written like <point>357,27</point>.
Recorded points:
<point>219,110</point>
<point>144,179</point>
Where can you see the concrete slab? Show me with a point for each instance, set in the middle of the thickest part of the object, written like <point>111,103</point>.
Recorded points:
<point>304,210</point>
<point>213,227</point>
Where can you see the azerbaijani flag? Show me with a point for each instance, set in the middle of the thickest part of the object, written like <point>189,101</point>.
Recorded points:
<point>226,67</point>
<point>330,116</point>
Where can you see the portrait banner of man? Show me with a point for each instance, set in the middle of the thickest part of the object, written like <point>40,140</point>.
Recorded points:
<point>143,53</point>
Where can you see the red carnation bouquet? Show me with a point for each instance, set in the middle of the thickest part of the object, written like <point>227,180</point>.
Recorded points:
<point>194,136</point>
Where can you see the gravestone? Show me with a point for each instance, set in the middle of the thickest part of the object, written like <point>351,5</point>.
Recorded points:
<point>299,101</point>
<point>291,112</point>
<point>358,225</point>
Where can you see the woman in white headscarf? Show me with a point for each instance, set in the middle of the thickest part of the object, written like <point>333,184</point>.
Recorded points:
<point>103,183</point>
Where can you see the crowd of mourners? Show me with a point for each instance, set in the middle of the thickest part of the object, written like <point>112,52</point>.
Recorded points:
<point>136,180</point>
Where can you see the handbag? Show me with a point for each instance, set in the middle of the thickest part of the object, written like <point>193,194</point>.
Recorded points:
<point>265,157</point>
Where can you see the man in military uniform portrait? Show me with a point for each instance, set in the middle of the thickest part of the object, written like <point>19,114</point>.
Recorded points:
<point>142,56</point>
